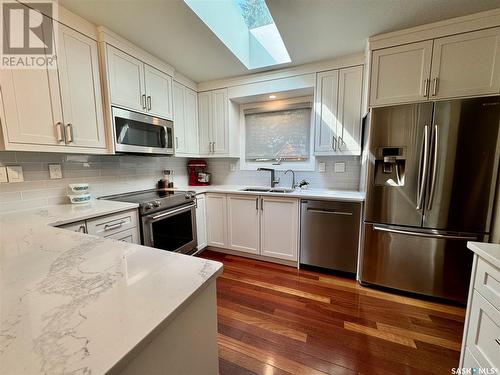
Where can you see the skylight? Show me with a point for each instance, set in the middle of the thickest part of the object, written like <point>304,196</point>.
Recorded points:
<point>246,27</point>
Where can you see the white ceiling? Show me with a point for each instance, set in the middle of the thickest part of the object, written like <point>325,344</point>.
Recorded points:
<point>312,30</point>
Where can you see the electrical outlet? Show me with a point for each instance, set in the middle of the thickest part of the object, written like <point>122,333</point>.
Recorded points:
<point>321,167</point>
<point>3,174</point>
<point>339,167</point>
<point>55,171</point>
<point>232,167</point>
<point>15,173</point>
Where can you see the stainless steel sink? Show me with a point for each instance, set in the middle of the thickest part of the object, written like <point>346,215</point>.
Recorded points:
<point>281,190</point>
<point>257,189</point>
<point>268,190</point>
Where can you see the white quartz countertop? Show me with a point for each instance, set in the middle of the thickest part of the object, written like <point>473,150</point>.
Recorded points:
<point>488,251</point>
<point>76,303</point>
<point>320,194</point>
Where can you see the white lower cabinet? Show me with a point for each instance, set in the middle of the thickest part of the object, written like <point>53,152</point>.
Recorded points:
<point>129,235</point>
<point>216,219</point>
<point>243,221</point>
<point>259,225</point>
<point>201,221</point>
<point>279,227</point>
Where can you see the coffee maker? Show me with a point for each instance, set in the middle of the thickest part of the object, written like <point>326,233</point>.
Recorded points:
<point>198,174</point>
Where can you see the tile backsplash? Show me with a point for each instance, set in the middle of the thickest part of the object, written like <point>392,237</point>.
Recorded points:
<point>112,174</point>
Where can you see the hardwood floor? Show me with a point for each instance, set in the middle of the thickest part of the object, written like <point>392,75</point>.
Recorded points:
<point>279,320</point>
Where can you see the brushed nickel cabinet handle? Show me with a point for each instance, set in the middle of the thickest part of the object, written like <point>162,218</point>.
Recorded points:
<point>426,87</point>
<point>69,133</point>
<point>334,143</point>
<point>257,203</point>
<point>60,132</point>
<point>115,225</point>
<point>143,101</point>
<point>149,102</point>
<point>435,83</point>
<point>176,142</point>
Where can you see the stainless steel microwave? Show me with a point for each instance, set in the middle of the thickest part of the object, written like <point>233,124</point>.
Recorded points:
<point>142,134</point>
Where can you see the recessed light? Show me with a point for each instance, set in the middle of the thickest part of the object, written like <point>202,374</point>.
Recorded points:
<point>272,96</point>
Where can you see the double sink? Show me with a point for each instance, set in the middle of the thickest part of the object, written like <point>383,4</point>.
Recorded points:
<point>268,190</point>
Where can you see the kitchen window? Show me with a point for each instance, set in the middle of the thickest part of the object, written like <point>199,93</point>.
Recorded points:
<point>278,134</point>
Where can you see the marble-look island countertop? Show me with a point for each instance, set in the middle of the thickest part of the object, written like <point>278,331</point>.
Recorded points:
<point>320,194</point>
<point>80,304</point>
<point>488,251</point>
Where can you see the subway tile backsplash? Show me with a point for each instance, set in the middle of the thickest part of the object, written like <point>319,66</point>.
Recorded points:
<point>112,174</point>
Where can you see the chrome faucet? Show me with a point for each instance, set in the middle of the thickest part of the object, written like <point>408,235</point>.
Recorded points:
<point>274,181</point>
<point>293,178</point>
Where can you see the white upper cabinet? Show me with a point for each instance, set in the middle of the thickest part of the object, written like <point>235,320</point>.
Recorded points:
<point>205,121</point>
<point>57,109</point>
<point>136,85</point>
<point>126,80</point>
<point>213,122</point>
<point>327,86</point>
<point>185,120</point>
<point>338,111</point>
<point>243,219</point>
<point>159,92</point>
<point>401,74</point>
<point>349,110</point>
<point>466,64</point>
<point>279,227</point>
<point>220,128</point>
<point>80,89</point>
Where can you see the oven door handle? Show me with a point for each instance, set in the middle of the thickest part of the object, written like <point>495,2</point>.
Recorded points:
<point>170,213</point>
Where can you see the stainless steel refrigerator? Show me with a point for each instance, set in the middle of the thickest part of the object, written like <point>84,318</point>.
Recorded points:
<point>431,180</point>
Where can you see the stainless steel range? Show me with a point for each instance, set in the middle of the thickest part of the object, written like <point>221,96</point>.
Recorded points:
<point>168,218</point>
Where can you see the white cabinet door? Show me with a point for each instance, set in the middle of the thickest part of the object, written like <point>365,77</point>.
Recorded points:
<point>466,64</point>
<point>191,120</point>
<point>32,112</point>
<point>179,119</point>
<point>216,219</point>
<point>158,92</point>
<point>349,110</point>
<point>220,122</point>
<point>205,121</point>
<point>279,227</point>
<point>326,112</point>
<point>401,74</point>
<point>81,89</point>
<point>126,80</point>
<point>243,222</point>
<point>201,223</point>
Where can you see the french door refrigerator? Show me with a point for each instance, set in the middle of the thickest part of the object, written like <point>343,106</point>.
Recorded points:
<point>431,183</point>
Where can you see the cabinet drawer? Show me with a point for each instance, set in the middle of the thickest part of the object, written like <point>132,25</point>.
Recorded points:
<point>111,224</point>
<point>129,235</point>
<point>483,338</point>
<point>487,282</point>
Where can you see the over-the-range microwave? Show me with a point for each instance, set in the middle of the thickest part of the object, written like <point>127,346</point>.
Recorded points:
<point>142,134</point>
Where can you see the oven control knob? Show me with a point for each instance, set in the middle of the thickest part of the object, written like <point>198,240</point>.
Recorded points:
<point>188,196</point>
<point>148,206</point>
<point>157,204</point>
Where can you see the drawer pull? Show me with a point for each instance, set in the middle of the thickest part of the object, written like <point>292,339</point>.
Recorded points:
<point>115,225</point>
<point>497,341</point>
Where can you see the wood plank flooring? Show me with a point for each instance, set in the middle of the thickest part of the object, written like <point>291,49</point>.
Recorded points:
<point>274,319</point>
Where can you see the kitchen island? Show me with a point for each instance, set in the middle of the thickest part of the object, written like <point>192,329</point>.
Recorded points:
<point>76,303</point>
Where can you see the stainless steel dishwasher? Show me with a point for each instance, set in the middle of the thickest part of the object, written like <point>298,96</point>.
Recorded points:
<point>329,235</point>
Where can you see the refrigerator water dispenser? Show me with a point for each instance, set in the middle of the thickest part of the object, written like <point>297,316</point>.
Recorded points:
<point>390,166</point>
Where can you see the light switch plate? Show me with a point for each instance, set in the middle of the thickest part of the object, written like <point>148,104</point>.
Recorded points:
<point>339,167</point>
<point>3,174</point>
<point>15,173</point>
<point>322,167</point>
<point>55,171</point>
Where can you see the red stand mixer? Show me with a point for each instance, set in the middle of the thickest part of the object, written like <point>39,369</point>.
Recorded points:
<point>197,171</point>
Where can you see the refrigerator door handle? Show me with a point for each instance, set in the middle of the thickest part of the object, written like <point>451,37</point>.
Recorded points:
<point>422,234</point>
<point>435,140</point>
<point>422,168</point>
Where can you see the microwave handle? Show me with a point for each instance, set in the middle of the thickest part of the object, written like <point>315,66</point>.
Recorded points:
<point>164,136</point>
